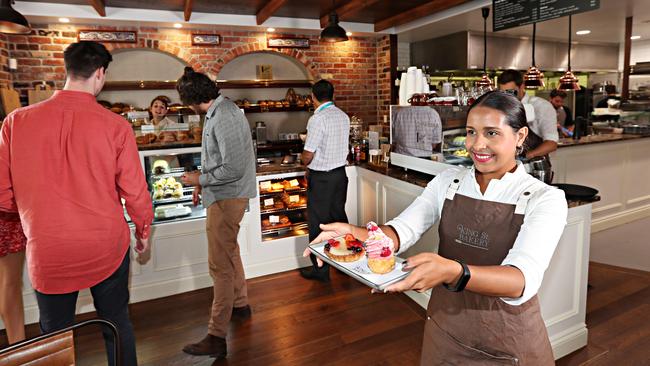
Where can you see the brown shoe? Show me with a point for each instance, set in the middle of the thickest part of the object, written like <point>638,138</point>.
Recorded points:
<point>209,346</point>
<point>241,313</point>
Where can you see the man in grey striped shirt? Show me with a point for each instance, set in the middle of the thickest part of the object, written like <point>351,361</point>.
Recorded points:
<point>325,155</point>
<point>226,182</point>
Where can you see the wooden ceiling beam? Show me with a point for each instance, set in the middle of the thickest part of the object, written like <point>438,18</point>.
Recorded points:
<point>187,9</point>
<point>349,8</point>
<point>99,6</point>
<point>418,12</point>
<point>268,10</point>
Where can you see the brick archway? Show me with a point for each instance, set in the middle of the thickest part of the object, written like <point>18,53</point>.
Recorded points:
<point>214,67</point>
<point>260,47</point>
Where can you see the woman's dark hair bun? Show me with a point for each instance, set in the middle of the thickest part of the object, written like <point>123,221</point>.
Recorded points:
<point>188,70</point>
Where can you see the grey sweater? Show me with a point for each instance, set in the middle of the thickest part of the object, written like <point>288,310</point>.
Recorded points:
<point>227,157</point>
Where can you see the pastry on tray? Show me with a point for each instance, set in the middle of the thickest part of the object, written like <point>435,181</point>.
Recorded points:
<point>344,249</point>
<point>379,248</point>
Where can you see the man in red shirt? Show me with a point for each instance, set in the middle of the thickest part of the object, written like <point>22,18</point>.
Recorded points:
<point>65,163</point>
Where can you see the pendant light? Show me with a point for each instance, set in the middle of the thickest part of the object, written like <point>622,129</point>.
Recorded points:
<point>534,79</point>
<point>569,81</point>
<point>485,83</point>
<point>12,21</point>
<point>333,32</point>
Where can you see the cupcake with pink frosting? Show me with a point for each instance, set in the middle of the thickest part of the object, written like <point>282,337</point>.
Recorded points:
<point>379,249</point>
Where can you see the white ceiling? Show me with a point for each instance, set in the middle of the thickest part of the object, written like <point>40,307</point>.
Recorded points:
<point>607,24</point>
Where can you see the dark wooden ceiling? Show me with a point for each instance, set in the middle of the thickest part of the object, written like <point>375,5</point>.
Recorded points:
<point>383,13</point>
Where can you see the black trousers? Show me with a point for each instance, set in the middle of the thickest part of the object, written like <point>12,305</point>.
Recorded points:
<point>111,299</point>
<point>326,195</point>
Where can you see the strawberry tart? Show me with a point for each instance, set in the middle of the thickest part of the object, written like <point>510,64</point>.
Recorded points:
<point>344,249</point>
<point>379,248</point>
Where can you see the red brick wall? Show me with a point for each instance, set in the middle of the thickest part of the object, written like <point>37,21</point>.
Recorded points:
<point>358,66</point>
<point>5,76</point>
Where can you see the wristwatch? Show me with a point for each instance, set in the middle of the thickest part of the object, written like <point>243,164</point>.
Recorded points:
<point>462,281</point>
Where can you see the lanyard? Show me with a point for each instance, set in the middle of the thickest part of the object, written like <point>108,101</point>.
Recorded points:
<point>324,106</point>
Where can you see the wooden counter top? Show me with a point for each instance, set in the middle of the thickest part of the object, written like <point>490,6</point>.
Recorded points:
<point>595,139</point>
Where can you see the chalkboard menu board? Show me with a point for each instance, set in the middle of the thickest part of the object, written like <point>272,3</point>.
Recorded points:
<point>514,13</point>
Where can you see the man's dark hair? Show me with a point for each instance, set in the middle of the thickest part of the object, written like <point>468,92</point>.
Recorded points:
<point>195,88</point>
<point>511,75</point>
<point>323,90</point>
<point>558,93</point>
<point>83,58</point>
<point>610,89</point>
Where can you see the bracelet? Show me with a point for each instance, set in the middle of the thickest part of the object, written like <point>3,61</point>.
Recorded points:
<point>462,281</point>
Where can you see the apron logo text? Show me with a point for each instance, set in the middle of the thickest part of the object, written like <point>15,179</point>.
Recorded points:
<point>472,238</point>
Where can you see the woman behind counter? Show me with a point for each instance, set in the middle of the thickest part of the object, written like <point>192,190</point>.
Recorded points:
<point>498,229</point>
<point>158,109</point>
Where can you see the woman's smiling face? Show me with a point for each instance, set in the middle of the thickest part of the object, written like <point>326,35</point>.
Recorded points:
<point>158,109</point>
<point>491,142</point>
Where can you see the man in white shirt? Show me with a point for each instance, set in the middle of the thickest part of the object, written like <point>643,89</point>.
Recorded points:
<point>325,155</point>
<point>542,118</point>
<point>417,131</point>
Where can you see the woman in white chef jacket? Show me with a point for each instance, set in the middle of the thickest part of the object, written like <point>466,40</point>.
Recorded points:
<point>498,230</point>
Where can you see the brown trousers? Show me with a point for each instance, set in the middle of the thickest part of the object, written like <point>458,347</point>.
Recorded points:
<point>226,269</point>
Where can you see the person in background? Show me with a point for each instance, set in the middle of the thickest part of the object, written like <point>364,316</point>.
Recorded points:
<point>226,183</point>
<point>66,163</point>
<point>542,118</point>
<point>498,229</point>
<point>417,131</point>
<point>610,93</point>
<point>158,109</point>
<point>565,123</point>
<point>325,155</point>
<point>12,257</point>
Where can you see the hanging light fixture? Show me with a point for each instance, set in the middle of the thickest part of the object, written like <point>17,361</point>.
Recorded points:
<point>333,32</point>
<point>568,81</point>
<point>534,78</point>
<point>12,21</point>
<point>485,83</point>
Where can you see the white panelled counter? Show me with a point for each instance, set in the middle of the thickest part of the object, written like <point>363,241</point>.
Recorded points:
<point>178,259</point>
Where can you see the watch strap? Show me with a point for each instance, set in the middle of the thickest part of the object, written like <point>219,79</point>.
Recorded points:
<point>462,281</point>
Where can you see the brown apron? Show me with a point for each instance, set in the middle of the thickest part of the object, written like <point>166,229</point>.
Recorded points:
<point>466,328</point>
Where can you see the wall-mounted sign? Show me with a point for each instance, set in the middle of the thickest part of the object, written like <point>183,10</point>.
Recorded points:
<point>287,42</point>
<point>108,36</point>
<point>514,13</point>
<point>264,72</point>
<point>199,39</point>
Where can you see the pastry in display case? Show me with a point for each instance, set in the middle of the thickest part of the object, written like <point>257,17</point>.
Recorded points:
<point>283,207</point>
<point>186,130</point>
<point>171,199</point>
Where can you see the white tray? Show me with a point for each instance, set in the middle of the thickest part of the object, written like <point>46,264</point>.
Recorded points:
<point>359,269</point>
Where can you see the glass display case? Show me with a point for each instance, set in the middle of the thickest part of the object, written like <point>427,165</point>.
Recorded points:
<point>283,206</point>
<point>453,147</point>
<point>171,199</point>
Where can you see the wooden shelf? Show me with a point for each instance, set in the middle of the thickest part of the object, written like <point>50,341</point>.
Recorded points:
<point>222,84</point>
<point>255,108</point>
<point>245,84</point>
<point>140,85</point>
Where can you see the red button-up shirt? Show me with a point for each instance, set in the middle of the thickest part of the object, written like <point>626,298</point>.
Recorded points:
<point>64,165</point>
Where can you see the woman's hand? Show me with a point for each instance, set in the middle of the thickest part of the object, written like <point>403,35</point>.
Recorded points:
<point>329,231</point>
<point>428,270</point>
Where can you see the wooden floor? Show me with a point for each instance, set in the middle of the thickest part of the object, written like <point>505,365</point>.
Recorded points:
<point>296,322</point>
